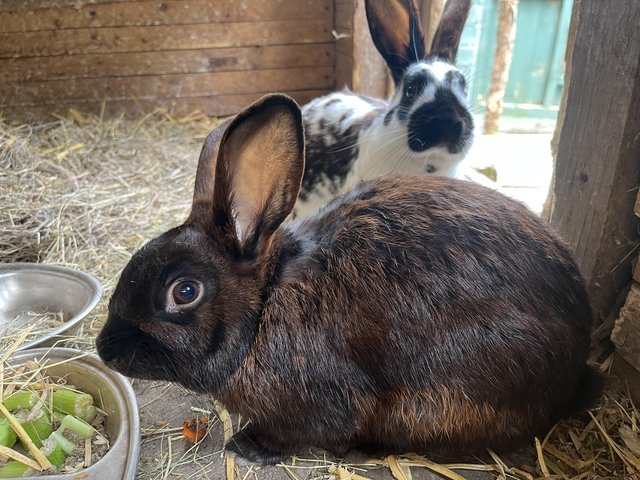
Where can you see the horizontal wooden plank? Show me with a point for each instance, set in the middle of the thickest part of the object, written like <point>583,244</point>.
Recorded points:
<point>162,63</point>
<point>25,5</point>
<point>156,38</point>
<point>221,105</point>
<point>167,12</point>
<point>166,86</point>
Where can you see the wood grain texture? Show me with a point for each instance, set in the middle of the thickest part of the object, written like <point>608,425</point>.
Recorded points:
<point>186,55</point>
<point>162,63</point>
<point>166,12</point>
<point>370,75</point>
<point>218,105</point>
<point>29,5</point>
<point>597,167</point>
<point>172,37</point>
<point>431,11</point>
<point>571,40</point>
<point>165,86</point>
<point>344,10</point>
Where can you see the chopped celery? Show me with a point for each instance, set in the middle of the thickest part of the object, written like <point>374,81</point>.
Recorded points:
<point>7,436</point>
<point>38,429</point>
<point>53,452</point>
<point>65,444</point>
<point>21,399</point>
<point>78,404</point>
<point>77,426</point>
<point>15,469</point>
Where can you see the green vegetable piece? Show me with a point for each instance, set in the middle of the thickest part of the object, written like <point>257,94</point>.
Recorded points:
<point>7,436</point>
<point>38,429</point>
<point>78,404</point>
<point>15,469</point>
<point>65,444</point>
<point>53,452</point>
<point>21,399</point>
<point>77,426</point>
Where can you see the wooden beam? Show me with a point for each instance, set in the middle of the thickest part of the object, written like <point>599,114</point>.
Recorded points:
<point>343,29</point>
<point>598,166</point>
<point>151,87</point>
<point>79,41</point>
<point>571,40</point>
<point>101,65</point>
<point>215,105</point>
<point>147,13</point>
<point>370,75</point>
<point>431,11</point>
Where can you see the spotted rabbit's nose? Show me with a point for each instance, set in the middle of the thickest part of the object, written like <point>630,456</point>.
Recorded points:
<point>441,122</point>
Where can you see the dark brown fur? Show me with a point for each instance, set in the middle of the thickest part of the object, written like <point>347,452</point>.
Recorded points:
<point>412,313</point>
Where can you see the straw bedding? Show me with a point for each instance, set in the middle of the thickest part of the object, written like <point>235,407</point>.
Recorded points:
<point>87,193</point>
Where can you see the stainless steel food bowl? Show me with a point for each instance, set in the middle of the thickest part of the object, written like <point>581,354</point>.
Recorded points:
<point>112,392</point>
<point>37,287</point>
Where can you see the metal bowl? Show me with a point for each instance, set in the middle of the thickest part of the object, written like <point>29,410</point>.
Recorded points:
<point>39,288</point>
<point>112,392</point>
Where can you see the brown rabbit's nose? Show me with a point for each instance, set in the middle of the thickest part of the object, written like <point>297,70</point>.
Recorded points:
<point>112,338</point>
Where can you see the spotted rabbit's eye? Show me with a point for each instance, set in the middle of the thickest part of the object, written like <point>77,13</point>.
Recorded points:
<point>410,91</point>
<point>185,292</point>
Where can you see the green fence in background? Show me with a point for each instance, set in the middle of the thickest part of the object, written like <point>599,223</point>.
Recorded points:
<point>536,76</point>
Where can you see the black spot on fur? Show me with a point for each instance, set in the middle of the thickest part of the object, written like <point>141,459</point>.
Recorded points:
<point>412,88</point>
<point>331,153</point>
<point>430,169</point>
<point>328,163</point>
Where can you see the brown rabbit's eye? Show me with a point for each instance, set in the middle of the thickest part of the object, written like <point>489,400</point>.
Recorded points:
<point>185,292</point>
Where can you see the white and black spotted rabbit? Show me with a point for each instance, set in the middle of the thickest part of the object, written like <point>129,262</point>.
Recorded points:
<point>425,127</point>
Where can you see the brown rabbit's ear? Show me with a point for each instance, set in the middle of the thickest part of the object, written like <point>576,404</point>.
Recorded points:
<point>202,204</point>
<point>396,32</point>
<point>447,37</point>
<point>258,173</point>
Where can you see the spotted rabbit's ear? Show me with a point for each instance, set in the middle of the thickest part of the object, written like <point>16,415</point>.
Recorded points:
<point>258,174</point>
<point>396,33</point>
<point>447,37</point>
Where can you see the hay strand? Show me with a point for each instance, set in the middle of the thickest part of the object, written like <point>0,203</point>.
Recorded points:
<point>227,426</point>
<point>7,452</point>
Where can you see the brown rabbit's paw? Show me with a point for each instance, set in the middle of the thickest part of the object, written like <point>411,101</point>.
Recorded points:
<point>250,445</point>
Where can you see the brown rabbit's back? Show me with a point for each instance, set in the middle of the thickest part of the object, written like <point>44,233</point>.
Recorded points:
<point>416,311</point>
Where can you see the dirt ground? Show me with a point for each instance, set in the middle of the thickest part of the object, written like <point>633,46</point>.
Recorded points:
<point>165,453</point>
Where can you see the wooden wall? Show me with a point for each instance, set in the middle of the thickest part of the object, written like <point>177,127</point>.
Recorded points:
<point>214,56</point>
<point>598,150</point>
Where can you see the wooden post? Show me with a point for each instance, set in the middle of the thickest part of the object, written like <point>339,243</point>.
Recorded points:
<point>359,66</point>
<point>370,76</point>
<point>343,30</point>
<point>505,39</point>
<point>598,161</point>
<point>571,40</point>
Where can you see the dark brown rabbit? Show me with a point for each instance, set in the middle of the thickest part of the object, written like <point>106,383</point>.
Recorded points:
<point>412,313</point>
